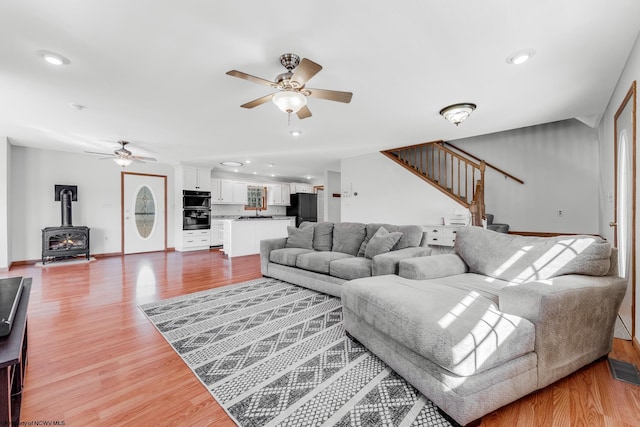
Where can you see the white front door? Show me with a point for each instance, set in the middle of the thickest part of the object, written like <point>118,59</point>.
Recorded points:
<point>143,213</point>
<point>624,210</point>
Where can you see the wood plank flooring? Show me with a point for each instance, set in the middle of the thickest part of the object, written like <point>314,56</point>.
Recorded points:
<point>95,360</point>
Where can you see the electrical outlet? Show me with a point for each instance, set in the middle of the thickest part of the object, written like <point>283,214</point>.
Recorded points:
<point>560,213</point>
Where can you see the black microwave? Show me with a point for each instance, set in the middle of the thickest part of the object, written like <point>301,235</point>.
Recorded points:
<point>196,199</point>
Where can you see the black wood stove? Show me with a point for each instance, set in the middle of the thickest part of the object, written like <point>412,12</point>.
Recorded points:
<point>65,241</point>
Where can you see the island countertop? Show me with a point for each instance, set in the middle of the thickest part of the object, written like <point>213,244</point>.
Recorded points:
<point>243,236</point>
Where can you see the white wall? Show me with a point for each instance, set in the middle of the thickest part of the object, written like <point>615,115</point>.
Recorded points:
<point>5,229</point>
<point>34,172</point>
<point>558,163</point>
<point>386,192</point>
<point>630,73</point>
<point>332,205</point>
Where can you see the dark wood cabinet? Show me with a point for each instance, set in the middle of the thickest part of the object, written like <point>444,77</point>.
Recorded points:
<point>13,362</point>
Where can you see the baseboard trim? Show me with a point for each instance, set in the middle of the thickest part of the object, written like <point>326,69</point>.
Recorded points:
<point>546,234</point>
<point>97,256</point>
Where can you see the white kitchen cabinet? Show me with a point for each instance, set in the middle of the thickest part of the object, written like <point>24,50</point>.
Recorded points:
<point>441,235</point>
<point>278,195</point>
<point>297,187</point>
<point>222,192</point>
<point>217,233</point>
<point>242,237</point>
<point>197,179</point>
<point>194,240</point>
<point>240,193</point>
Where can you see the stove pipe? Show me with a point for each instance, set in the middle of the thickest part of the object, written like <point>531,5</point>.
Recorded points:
<point>65,206</point>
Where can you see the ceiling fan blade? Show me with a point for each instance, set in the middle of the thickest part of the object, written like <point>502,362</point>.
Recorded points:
<point>304,112</point>
<point>258,101</point>
<point>305,71</point>
<point>143,158</point>
<point>100,154</point>
<point>331,95</point>
<point>249,77</point>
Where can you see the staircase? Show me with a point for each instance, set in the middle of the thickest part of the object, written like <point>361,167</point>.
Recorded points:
<point>453,174</point>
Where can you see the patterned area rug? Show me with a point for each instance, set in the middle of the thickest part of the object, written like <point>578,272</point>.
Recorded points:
<point>272,353</point>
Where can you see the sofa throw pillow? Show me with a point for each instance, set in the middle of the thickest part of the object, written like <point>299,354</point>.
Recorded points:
<point>347,237</point>
<point>299,238</point>
<point>381,242</point>
<point>322,234</point>
<point>411,235</point>
<point>521,259</point>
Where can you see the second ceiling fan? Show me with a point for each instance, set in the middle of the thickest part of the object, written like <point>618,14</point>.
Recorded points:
<point>292,94</point>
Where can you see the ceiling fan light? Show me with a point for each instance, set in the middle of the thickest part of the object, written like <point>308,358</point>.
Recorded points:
<point>289,101</point>
<point>457,113</point>
<point>121,161</point>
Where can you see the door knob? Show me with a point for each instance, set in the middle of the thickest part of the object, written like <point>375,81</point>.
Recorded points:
<point>613,224</point>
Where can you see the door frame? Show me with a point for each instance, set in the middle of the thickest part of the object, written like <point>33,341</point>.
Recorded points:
<point>630,96</point>
<point>122,204</point>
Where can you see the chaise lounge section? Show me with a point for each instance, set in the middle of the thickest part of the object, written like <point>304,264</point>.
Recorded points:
<point>501,317</point>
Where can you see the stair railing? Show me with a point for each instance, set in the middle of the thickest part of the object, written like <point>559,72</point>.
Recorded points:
<point>451,173</point>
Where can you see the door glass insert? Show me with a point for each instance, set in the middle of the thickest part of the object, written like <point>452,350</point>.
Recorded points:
<point>145,212</point>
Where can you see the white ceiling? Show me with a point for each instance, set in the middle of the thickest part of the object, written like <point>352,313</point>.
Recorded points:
<point>153,72</point>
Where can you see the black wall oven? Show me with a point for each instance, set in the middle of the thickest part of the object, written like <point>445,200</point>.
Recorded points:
<point>196,213</point>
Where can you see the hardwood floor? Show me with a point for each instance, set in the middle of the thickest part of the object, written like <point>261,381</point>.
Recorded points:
<point>95,360</point>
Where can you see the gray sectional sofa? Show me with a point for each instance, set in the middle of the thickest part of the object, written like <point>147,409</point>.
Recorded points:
<point>322,256</point>
<point>501,317</point>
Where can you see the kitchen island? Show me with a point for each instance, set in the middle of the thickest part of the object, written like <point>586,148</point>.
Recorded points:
<point>242,236</point>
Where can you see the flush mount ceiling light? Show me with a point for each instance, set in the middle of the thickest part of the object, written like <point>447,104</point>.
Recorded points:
<point>53,57</point>
<point>232,164</point>
<point>295,132</point>
<point>457,113</point>
<point>520,57</point>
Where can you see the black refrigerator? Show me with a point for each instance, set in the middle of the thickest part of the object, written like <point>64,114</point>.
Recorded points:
<point>304,207</point>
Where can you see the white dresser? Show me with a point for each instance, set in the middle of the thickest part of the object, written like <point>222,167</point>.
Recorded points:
<point>441,235</point>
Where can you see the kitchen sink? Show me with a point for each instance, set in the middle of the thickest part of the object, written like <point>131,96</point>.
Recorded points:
<point>256,217</point>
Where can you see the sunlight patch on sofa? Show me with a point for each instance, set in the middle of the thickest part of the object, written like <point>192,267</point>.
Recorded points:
<point>511,261</point>
<point>485,338</point>
<point>547,265</point>
<point>458,309</point>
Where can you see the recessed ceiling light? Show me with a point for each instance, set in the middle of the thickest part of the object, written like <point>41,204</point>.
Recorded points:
<point>235,170</point>
<point>271,165</point>
<point>255,173</point>
<point>77,107</point>
<point>308,177</point>
<point>233,164</point>
<point>273,174</point>
<point>247,161</point>
<point>520,57</point>
<point>295,132</point>
<point>53,57</point>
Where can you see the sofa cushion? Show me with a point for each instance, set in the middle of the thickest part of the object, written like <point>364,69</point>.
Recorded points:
<point>299,238</point>
<point>458,330</point>
<point>287,256</point>
<point>322,234</point>
<point>347,237</point>
<point>381,242</point>
<point>523,258</point>
<point>350,268</point>
<point>411,236</point>
<point>319,261</point>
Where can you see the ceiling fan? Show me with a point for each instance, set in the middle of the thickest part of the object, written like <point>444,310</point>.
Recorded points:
<point>292,94</point>
<point>122,156</point>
